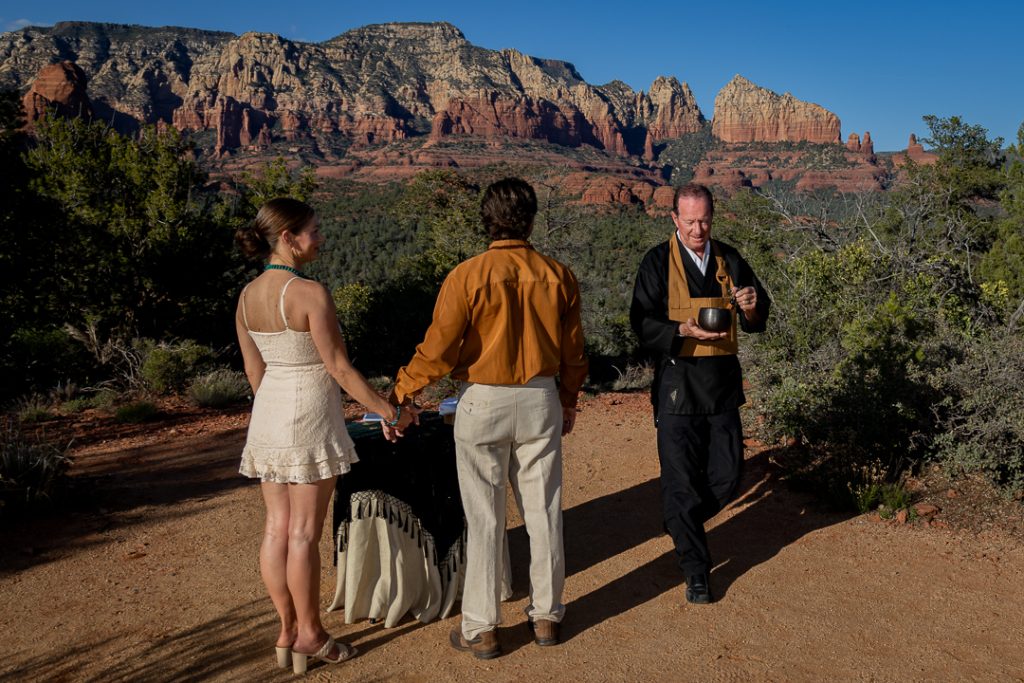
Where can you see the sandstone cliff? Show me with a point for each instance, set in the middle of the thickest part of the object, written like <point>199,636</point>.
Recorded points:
<point>59,88</point>
<point>384,102</point>
<point>745,112</point>
<point>372,85</point>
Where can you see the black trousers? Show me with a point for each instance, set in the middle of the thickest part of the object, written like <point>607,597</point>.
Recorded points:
<point>701,460</point>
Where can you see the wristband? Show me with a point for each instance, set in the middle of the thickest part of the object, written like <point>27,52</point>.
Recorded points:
<point>398,415</point>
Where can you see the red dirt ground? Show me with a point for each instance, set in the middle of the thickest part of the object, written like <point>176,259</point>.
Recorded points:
<point>150,574</point>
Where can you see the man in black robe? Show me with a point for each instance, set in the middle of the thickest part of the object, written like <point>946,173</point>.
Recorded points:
<point>698,384</point>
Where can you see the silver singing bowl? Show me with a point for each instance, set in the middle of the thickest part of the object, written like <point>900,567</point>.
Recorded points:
<point>714,319</point>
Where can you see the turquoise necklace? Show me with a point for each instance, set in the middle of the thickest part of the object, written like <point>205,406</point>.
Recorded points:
<point>293,271</point>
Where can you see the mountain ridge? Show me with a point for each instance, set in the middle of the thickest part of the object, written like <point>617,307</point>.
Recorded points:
<point>408,73</point>
<point>349,103</point>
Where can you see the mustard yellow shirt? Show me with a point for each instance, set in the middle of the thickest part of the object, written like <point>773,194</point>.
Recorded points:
<point>503,317</point>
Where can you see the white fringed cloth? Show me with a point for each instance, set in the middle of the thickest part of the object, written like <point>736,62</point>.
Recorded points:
<point>399,527</point>
<point>388,564</point>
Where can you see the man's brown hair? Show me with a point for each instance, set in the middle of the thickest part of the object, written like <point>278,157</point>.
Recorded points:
<point>508,208</point>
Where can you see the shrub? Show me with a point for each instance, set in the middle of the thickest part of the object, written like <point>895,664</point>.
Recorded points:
<point>34,408</point>
<point>76,405</point>
<point>135,412</point>
<point>870,491</point>
<point>381,384</point>
<point>220,388</point>
<point>634,377</point>
<point>37,359</point>
<point>445,387</point>
<point>64,391</point>
<point>104,399</point>
<point>29,470</point>
<point>353,303</point>
<point>169,367</point>
<point>895,497</point>
<point>982,418</point>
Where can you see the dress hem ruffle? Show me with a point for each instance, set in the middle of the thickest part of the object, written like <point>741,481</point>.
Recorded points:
<point>322,463</point>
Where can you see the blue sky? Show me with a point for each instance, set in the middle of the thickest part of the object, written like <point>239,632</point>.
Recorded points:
<point>880,66</point>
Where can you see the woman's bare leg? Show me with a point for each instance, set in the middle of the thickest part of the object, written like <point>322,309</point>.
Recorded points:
<point>308,507</point>
<point>273,559</point>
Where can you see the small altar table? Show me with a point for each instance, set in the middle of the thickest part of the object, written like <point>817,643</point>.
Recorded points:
<point>399,528</point>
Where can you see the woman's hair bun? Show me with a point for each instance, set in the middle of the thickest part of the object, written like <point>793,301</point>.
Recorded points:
<point>258,238</point>
<point>252,241</point>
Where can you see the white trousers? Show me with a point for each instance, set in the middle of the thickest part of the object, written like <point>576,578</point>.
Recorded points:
<point>510,433</point>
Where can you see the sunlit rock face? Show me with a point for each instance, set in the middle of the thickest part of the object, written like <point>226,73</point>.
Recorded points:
<point>745,112</point>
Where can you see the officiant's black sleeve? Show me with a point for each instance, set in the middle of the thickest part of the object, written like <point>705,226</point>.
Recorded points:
<point>648,312</point>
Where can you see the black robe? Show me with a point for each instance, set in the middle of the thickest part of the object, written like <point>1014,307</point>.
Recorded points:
<point>690,386</point>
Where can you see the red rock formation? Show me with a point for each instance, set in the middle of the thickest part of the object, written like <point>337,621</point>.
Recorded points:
<point>609,134</point>
<point>293,123</point>
<point>730,166</point>
<point>673,110</point>
<point>58,88</point>
<point>642,191</point>
<point>611,190</point>
<point>663,196</point>
<point>745,112</point>
<point>857,179</point>
<point>729,179</point>
<point>490,115</point>
<point>191,115</point>
<point>867,148</point>
<point>574,184</point>
<point>648,147</point>
<point>915,152</point>
<point>853,142</point>
<point>227,114</point>
<point>374,85</point>
<point>605,190</point>
<point>245,135</point>
<point>263,139</point>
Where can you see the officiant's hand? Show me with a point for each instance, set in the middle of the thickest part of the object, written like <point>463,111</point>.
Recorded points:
<point>691,329</point>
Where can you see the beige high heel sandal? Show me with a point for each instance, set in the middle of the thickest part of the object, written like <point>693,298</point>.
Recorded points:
<point>284,657</point>
<point>345,652</point>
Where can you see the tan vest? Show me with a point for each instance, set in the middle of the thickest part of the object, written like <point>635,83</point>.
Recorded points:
<point>682,307</point>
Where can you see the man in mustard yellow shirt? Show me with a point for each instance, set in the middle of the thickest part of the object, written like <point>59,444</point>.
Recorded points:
<point>505,323</point>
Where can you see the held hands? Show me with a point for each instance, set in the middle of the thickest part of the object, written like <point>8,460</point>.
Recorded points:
<point>410,415</point>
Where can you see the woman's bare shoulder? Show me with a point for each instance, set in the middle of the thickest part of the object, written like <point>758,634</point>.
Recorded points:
<point>309,288</point>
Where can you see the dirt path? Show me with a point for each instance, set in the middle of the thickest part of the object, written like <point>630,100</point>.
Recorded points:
<point>156,579</point>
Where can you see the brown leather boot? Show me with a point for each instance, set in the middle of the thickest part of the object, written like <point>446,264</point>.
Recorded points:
<point>484,646</point>
<point>545,631</point>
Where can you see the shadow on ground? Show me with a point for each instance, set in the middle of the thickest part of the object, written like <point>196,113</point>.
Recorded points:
<point>226,648</point>
<point>107,493</point>
<point>206,651</point>
<point>769,518</point>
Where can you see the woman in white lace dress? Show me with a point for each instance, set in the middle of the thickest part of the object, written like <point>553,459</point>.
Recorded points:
<point>297,445</point>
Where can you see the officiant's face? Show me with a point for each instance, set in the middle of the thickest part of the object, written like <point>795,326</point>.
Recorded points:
<point>693,221</point>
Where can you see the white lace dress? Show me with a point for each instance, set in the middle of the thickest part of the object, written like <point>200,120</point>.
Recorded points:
<point>297,430</point>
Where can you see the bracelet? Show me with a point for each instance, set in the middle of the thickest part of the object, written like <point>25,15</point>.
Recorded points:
<point>398,415</point>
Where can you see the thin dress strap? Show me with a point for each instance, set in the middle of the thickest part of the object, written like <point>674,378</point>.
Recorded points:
<point>245,319</point>
<point>283,290</point>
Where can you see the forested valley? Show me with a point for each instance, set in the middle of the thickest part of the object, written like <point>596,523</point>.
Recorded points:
<point>894,342</point>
